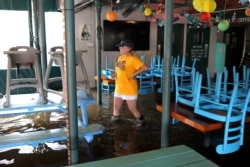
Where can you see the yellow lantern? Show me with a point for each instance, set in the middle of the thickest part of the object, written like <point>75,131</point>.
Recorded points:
<point>111,15</point>
<point>209,6</point>
<point>204,5</point>
<point>147,12</point>
<point>198,5</point>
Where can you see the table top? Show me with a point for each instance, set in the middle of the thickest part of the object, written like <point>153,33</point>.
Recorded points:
<point>21,52</point>
<point>180,155</point>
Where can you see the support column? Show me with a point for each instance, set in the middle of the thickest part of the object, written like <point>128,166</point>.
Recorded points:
<point>98,49</point>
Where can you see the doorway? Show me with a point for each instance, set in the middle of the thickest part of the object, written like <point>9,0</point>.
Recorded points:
<point>234,40</point>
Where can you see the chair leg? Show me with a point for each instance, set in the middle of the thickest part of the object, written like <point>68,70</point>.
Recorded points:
<point>39,79</point>
<point>8,84</point>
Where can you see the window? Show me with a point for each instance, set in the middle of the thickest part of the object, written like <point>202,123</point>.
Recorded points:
<point>14,31</point>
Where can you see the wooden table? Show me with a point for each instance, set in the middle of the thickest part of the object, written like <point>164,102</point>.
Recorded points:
<point>171,156</point>
<point>186,115</point>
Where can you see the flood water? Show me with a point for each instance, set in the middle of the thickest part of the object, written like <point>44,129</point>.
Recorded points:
<point>119,139</point>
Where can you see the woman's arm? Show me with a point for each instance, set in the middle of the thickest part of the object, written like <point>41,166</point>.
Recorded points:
<point>141,70</point>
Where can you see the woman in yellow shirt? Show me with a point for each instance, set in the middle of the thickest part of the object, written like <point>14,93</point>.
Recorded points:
<point>128,66</point>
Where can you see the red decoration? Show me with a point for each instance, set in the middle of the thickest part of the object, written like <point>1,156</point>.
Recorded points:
<point>247,11</point>
<point>205,16</point>
<point>111,15</point>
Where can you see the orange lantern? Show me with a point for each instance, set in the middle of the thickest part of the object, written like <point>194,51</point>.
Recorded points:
<point>205,16</point>
<point>111,15</point>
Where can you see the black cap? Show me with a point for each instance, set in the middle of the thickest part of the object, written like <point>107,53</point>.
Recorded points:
<point>127,43</point>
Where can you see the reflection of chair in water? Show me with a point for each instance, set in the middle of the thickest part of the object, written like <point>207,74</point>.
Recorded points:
<point>23,57</point>
<point>57,58</point>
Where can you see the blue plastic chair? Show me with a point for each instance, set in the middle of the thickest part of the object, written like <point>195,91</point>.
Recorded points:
<point>146,82</point>
<point>233,114</point>
<point>156,68</point>
<point>185,94</point>
<point>107,72</point>
<point>243,81</point>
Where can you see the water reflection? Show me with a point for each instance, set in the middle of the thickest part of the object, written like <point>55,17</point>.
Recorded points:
<point>125,140</point>
<point>28,123</point>
<point>119,139</point>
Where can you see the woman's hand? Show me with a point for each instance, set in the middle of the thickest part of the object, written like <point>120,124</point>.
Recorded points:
<point>113,76</point>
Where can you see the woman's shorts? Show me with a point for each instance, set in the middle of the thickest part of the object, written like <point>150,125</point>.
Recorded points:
<point>125,97</point>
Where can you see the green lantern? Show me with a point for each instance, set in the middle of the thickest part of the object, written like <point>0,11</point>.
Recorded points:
<point>223,25</point>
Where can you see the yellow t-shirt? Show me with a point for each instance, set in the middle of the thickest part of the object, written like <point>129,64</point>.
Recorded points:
<point>125,67</point>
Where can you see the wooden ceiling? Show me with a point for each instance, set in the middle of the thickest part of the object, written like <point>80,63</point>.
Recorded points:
<point>178,5</point>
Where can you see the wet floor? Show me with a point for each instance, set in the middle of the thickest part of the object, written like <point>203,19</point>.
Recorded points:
<point>119,139</point>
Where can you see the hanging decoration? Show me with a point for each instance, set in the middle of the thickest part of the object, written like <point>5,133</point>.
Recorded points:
<point>223,25</point>
<point>233,17</point>
<point>209,6</point>
<point>247,11</point>
<point>155,15</point>
<point>204,5</point>
<point>111,15</point>
<point>205,16</point>
<point>147,11</point>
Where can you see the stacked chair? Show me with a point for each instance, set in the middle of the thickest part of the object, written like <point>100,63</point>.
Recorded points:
<point>185,78</point>
<point>221,101</point>
<point>232,114</point>
<point>156,66</point>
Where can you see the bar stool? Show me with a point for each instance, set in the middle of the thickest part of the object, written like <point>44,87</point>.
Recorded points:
<point>23,57</point>
<point>57,58</point>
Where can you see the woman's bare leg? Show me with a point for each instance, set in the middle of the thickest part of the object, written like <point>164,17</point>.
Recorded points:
<point>132,105</point>
<point>117,106</point>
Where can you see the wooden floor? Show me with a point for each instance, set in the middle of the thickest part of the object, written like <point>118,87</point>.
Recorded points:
<point>171,156</point>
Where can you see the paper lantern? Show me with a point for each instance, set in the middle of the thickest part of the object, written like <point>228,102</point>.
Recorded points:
<point>223,25</point>
<point>204,5</point>
<point>209,6</point>
<point>247,11</point>
<point>198,5</point>
<point>147,12</point>
<point>205,16</point>
<point>111,15</point>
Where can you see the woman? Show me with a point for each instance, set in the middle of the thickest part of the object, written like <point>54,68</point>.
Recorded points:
<point>128,66</point>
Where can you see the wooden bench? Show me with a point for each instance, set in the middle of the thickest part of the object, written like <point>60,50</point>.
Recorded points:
<point>186,115</point>
<point>59,134</point>
<point>180,155</point>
